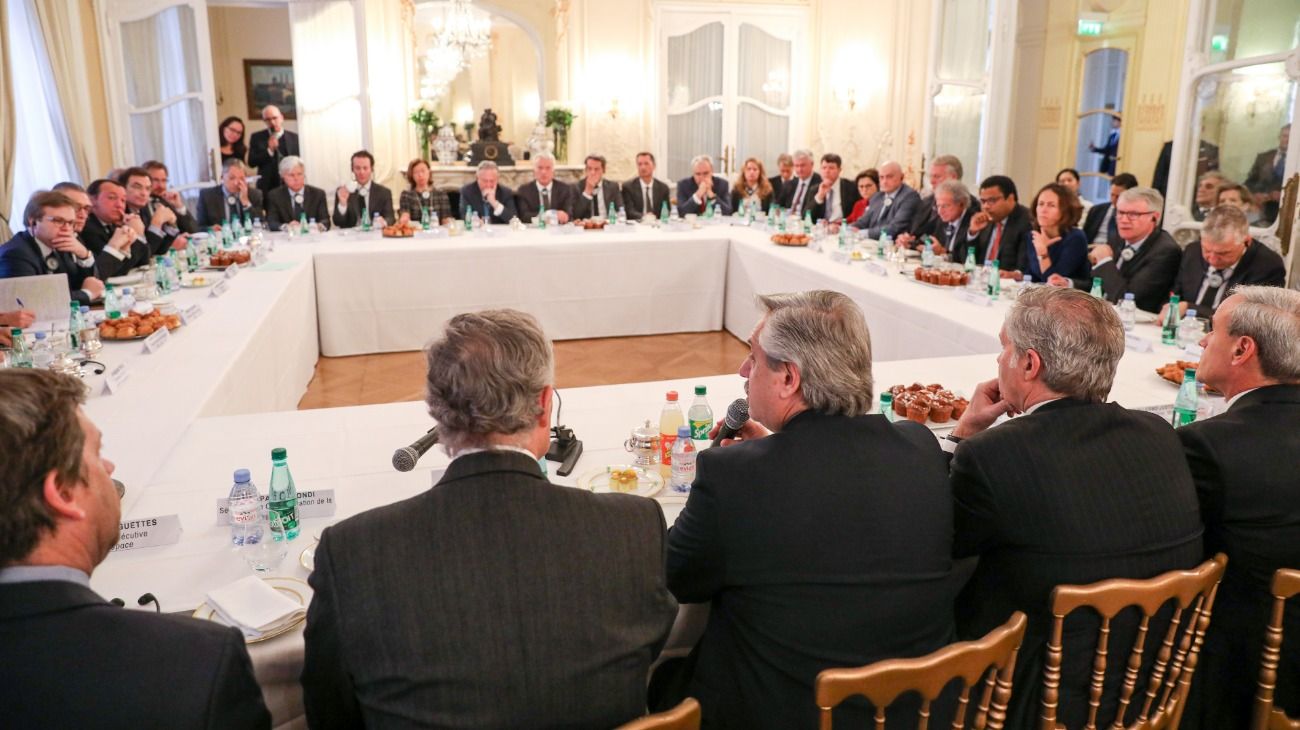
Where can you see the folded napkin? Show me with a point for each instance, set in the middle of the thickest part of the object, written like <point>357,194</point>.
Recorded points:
<point>254,607</point>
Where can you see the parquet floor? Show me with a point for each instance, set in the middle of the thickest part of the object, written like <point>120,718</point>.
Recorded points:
<point>396,377</point>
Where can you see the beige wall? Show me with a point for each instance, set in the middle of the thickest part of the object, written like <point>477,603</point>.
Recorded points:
<point>240,33</point>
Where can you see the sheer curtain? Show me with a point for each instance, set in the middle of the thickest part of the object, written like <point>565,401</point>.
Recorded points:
<point>329,88</point>
<point>694,97</point>
<point>61,26</point>
<point>963,58</point>
<point>41,155</point>
<point>763,103</point>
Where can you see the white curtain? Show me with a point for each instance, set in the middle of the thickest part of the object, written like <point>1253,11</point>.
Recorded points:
<point>694,75</point>
<point>328,88</point>
<point>62,27</point>
<point>42,155</point>
<point>763,82</point>
<point>964,49</point>
<point>964,55</point>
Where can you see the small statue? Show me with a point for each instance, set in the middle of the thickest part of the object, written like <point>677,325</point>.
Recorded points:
<point>488,129</point>
<point>540,141</point>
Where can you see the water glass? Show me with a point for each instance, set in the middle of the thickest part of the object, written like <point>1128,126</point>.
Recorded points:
<point>265,555</point>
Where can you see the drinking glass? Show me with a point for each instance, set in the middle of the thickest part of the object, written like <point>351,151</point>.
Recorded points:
<point>265,555</point>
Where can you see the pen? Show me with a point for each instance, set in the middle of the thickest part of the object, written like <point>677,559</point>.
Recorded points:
<point>20,303</point>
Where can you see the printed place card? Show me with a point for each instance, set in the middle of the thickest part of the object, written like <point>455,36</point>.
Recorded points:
<point>312,503</point>
<point>840,256</point>
<point>232,271</point>
<point>114,379</point>
<point>219,289</point>
<point>155,342</point>
<point>148,532</point>
<point>1136,343</point>
<point>973,297</point>
<point>878,269</point>
<point>191,313</point>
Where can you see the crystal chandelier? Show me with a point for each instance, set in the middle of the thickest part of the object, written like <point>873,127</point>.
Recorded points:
<point>441,65</point>
<point>463,29</point>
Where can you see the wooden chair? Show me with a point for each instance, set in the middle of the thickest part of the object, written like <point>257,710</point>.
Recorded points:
<point>1171,674</point>
<point>1286,583</point>
<point>685,716</point>
<point>990,660</point>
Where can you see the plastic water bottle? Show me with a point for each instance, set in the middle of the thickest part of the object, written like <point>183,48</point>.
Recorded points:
<point>970,262</point>
<point>1096,288</point>
<point>283,496</point>
<point>42,354</point>
<point>374,221</point>
<point>1169,328</point>
<point>244,509</point>
<point>995,280</point>
<point>172,276</point>
<point>927,254</point>
<point>670,419</point>
<point>1190,330</point>
<point>887,406</point>
<point>1128,312</point>
<point>683,466</point>
<point>21,357</point>
<point>127,299</point>
<point>111,302</point>
<point>1185,403</point>
<point>700,415</point>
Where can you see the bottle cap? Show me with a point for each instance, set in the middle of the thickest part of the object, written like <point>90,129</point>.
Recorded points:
<point>1129,296</point>
<point>85,310</point>
<point>17,332</point>
<point>278,454</point>
<point>701,390</point>
<point>242,476</point>
<point>1191,313</point>
<point>75,305</point>
<point>114,315</point>
<point>672,396</point>
<point>683,432</point>
<point>40,335</point>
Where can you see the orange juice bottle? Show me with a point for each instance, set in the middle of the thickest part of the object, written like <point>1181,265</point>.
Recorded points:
<point>670,419</point>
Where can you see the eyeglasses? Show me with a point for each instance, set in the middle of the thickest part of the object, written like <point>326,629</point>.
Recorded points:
<point>1133,215</point>
<point>59,222</point>
<point>991,201</point>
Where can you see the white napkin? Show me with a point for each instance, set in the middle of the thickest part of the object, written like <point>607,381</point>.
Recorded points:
<point>253,606</point>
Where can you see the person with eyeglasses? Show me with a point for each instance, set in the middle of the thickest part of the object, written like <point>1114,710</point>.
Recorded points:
<point>269,147</point>
<point>1147,262</point>
<point>1001,230</point>
<point>50,246</point>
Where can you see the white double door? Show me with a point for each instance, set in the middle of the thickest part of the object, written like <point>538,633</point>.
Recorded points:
<point>731,84</point>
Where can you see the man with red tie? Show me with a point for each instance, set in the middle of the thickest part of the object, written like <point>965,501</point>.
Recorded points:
<point>1002,227</point>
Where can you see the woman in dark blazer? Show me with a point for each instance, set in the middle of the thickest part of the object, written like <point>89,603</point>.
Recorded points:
<point>421,194</point>
<point>1056,244</point>
<point>752,185</point>
<point>231,133</point>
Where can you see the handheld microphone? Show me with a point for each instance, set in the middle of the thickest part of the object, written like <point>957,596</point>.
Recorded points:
<point>405,458</point>
<point>737,417</point>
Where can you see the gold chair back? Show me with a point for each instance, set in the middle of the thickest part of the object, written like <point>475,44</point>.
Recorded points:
<point>1286,584</point>
<point>685,716</point>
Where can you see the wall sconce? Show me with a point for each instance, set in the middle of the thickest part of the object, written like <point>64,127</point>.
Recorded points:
<point>847,96</point>
<point>613,107</point>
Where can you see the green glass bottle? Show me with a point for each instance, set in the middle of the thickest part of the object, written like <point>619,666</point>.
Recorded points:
<point>1185,403</point>
<point>1169,328</point>
<point>663,212</point>
<point>995,280</point>
<point>283,495</point>
<point>1096,288</point>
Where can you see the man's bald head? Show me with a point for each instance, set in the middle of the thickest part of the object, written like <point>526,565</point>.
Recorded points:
<point>273,117</point>
<point>891,176</point>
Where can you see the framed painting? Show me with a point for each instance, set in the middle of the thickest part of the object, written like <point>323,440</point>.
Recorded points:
<point>269,82</point>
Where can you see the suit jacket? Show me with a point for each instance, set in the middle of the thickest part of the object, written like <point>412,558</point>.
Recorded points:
<point>184,219</point>
<point>412,203</point>
<point>1250,500</point>
<point>846,190</point>
<point>381,202</point>
<point>211,208</point>
<point>117,668</point>
<point>531,605</point>
<point>633,198</point>
<point>159,239</point>
<point>1092,225</point>
<point>778,186</point>
<point>584,207</point>
<point>21,256</point>
<point>787,192</point>
<point>96,235</point>
<point>738,200</point>
<point>896,218</point>
<point>1118,502</point>
<point>1016,235</point>
<point>686,189</point>
<point>956,242</point>
<point>528,199</point>
<point>280,208</point>
<point>471,198</point>
<point>1207,159</point>
<point>267,162</point>
<point>1263,176</point>
<point>1068,257</point>
<point>783,533</point>
<point>1149,274</point>
<point>1259,265</point>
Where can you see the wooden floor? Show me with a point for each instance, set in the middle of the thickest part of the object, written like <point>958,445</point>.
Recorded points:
<point>397,377</point>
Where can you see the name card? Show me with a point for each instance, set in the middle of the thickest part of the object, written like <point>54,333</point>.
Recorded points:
<point>1194,350</point>
<point>878,269</point>
<point>148,532</point>
<point>114,379</point>
<point>191,313</point>
<point>220,288</point>
<point>259,256</point>
<point>155,342</point>
<point>232,271</point>
<point>312,503</point>
<point>841,256</point>
<point>1136,343</point>
<point>973,297</point>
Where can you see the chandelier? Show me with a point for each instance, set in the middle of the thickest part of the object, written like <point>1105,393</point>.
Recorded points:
<point>463,29</point>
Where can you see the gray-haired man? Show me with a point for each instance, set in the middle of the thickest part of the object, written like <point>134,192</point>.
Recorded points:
<point>487,197</point>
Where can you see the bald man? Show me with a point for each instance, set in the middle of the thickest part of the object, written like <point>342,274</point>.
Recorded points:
<point>267,147</point>
<point>893,208</point>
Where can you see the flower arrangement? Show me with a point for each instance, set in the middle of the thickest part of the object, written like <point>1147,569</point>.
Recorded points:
<point>559,117</point>
<point>426,126</point>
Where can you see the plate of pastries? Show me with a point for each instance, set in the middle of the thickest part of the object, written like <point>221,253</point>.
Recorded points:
<point>1172,372</point>
<point>226,259</point>
<point>941,277</point>
<point>791,239</point>
<point>399,230</point>
<point>592,224</point>
<point>929,405</point>
<point>138,326</point>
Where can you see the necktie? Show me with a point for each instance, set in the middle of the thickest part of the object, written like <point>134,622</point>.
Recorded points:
<point>297,204</point>
<point>797,203</point>
<point>649,207</point>
<point>947,239</point>
<point>1210,292</point>
<point>546,198</point>
<point>997,243</point>
<point>1279,166</point>
<point>830,201</point>
<point>600,202</point>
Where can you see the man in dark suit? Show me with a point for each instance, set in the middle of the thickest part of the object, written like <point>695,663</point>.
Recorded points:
<point>1207,159</point>
<point>694,192</point>
<point>1146,265</point>
<point>534,605</point>
<point>1207,193</point>
<point>1109,150</point>
<point>295,199</point>
<point>835,196</point>
<point>1244,466</point>
<point>488,198</point>
<point>1099,225</point>
<point>784,174</point>
<point>597,197</point>
<point>822,539</point>
<point>268,148</point>
<point>85,662</point>
<point>953,211</point>
<point>545,193</point>
<point>1117,503</point>
<point>942,169</point>
<point>369,199</point>
<point>644,195</point>
<point>893,209</point>
<point>50,246</point>
<point>1223,258</point>
<point>115,237</point>
<point>795,195</point>
<point>160,194</point>
<point>1266,175</point>
<point>1002,228</point>
<point>160,230</point>
<point>231,199</point>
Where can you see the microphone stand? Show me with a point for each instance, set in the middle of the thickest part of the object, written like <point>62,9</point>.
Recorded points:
<point>565,447</point>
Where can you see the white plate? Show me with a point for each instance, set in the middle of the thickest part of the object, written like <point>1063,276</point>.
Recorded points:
<point>126,279</point>
<point>649,482</point>
<point>295,588</point>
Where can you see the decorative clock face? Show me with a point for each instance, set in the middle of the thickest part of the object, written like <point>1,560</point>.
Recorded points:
<point>490,152</point>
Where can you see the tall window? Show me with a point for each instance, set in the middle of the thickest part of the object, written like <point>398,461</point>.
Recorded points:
<point>43,154</point>
<point>959,83</point>
<point>1101,106</point>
